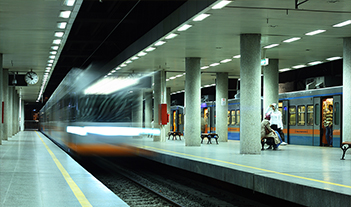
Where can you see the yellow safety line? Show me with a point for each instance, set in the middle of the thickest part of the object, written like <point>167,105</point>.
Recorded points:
<point>256,168</point>
<point>76,190</point>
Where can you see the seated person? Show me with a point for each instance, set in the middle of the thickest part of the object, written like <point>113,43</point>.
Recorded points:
<point>268,135</point>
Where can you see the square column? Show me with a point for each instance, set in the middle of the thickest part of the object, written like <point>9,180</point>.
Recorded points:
<point>159,98</point>
<point>222,106</point>
<point>346,101</point>
<point>192,132</point>
<point>250,94</point>
<point>270,83</point>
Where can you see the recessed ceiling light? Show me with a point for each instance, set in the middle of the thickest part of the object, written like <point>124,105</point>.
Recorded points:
<point>226,60</point>
<point>142,53</point>
<point>214,64</point>
<point>49,64</point>
<point>57,41</point>
<point>62,25</point>
<point>184,27</point>
<point>69,2</point>
<point>270,46</point>
<point>59,34</point>
<point>150,49</point>
<point>334,58</point>
<point>201,17</point>
<point>53,52</point>
<point>298,66</point>
<point>284,69</point>
<point>50,61</point>
<point>204,67</point>
<point>343,23</point>
<point>315,32</point>
<point>55,47</point>
<point>237,56</point>
<point>292,39</point>
<point>65,14</point>
<point>52,56</point>
<point>170,36</point>
<point>128,61</point>
<point>134,58</point>
<point>315,63</point>
<point>221,4</point>
<point>159,43</point>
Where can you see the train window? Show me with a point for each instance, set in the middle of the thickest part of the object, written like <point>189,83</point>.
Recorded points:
<point>180,119</point>
<point>292,115</point>
<point>317,114</point>
<point>301,110</point>
<point>310,115</point>
<point>228,118</point>
<point>233,117</point>
<point>336,113</point>
<point>237,117</point>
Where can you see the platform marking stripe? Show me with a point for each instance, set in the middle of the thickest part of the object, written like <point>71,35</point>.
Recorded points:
<point>256,168</point>
<point>74,187</point>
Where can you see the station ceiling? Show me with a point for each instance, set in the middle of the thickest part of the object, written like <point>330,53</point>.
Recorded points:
<point>116,31</point>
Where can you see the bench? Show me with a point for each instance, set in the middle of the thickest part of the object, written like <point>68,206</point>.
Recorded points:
<point>209,136</point>
<point>174,135</point>
<point>345,146</point>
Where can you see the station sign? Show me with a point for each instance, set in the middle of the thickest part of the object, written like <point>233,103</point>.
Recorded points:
<point>264,62</point>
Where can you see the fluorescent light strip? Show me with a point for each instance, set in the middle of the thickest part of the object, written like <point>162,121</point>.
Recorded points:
<point>270,46</point>
<point>315,63</point>
<point>298,66</point>
<point>65,14</point>
<point>237,56</point>
<point>61,25</point>
<point>69,2</point>
<point>284,69</point>
<point>142,53</point>
<point>221,4</point>
<point>315,32</point>
<point>214,64</point>
<point>184,27</point>
<point>53,52</point>
<point>56,42</point>
<point>170,36</point>
<point>52,56</point>
<point>226,60</point>
<point>54,47</point>
<point>150,49</point>
<point>201,17</point>
<point>343,23</point>
<point>334,58</point>
<point>159,43</point>
<point>204,67</point>
<point>292,39</point>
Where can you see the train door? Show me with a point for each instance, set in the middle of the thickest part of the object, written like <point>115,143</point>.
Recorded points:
<point>174,124</point>
<point>317,126</point>
<point>337,123</point>
<point>283,108</point>
<point>326,101</point>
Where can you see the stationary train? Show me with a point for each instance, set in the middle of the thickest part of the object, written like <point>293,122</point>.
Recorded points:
<point>86,122</point>
<point>303,114</point>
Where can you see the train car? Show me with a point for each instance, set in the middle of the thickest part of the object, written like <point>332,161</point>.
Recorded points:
<point>303,114</point>
<point>177,119</point>
<point>87,122</point>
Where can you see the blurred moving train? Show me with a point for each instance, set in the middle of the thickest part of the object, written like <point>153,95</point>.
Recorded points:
<point>86,119</point>
<point>303,114</point>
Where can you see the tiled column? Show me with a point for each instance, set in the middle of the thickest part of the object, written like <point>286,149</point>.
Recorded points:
<point>250,93</point>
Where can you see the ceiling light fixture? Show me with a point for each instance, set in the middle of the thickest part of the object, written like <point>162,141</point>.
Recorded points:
<point>56,42</point>
<point>159,43</point>
<point>150,49</point>
<point>170,36</point>
<point>59,34</point>
<point>284,69</point>
<point>201,17</point>
<point>270,46</point>
<point>53,52</point>
<point>226,60</point>
<point>298,66</point>
<point>55,47</point>
<point>237,56</point>
<point>61,25</point>
<point>334,58</point>
<point>69,2</point>
<point>315,63</point>
<point>204,67</point>
<point>142,53</point>
<point>184,27</point>
<point>65,14</point>
<point>52,56</point>
<point>343,23</point>
<point>315,32</point>
<point>221,4</point>
<point>214,64</point>
<point>292,39</point>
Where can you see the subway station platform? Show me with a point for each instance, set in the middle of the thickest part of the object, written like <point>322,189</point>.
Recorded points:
<point>310,176</point>
<point>35,172</point>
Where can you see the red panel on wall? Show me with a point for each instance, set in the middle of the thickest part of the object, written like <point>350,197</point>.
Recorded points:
<point>162,114</point>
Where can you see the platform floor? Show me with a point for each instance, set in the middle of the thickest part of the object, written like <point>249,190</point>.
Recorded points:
<point>310,176</point>
<point>35,172</point>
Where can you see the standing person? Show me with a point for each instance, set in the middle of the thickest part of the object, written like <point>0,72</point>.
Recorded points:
<point>276,121</point>
<point>328,123</point>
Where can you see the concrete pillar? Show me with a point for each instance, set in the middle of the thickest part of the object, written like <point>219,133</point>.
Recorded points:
<point>5,82</point>
<point>148,109</point>
<point>1,101</point>
<point>222,106</point>
<point>250,94</point>
<point>192,102</point>
<point>159,97</point>
<point>138,108</point>
<point>22,115</point>
<point>168,101</point>
<point>346,121</point>
<point>14,112</point>
<point>270,84</point>
<point>10,110</point>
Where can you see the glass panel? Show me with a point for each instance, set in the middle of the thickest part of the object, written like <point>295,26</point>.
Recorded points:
<point>336,113</point>
<point>180,119</point>
<point>317,114</point>
<point>292,115</point>
<point>301,115</point>
<point>237,117</point>
<point>310,115</point>
<point>228,117</point>
<point>233,117</point>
